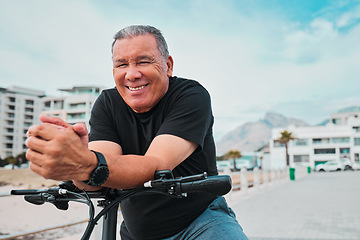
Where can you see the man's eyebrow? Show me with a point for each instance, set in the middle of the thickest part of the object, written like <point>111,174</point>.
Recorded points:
<point>145,57</point>
<point>121,60</point>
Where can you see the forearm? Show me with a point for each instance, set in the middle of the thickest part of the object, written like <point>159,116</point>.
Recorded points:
<point>129,171</point>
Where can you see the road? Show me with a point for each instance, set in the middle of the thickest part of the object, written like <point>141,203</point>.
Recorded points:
<point>317,206</point>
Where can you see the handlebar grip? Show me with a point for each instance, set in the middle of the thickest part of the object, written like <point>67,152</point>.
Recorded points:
<point>217,185</point>
<point>41,198</point>
<point>25,192</point>
<point>36,199</point>
<point>34,191</point>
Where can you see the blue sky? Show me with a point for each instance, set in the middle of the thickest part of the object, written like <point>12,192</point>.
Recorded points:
<point>300,58</point>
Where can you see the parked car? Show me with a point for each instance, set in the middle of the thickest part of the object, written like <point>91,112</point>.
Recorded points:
<point>347,164</point>
<point>240,163</point>
<point>223,165</point>
<point>229,164</point>
<point>330,166</point>
<point>356,166</point>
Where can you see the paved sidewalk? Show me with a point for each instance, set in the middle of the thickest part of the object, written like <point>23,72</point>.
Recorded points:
<point>317,206</point>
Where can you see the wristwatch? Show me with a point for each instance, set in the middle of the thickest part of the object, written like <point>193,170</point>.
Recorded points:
<point>101,173</point>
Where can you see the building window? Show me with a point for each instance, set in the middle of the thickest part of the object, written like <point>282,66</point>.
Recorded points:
<point>301,158</point>
<point>77,105</point>
<point>300,142</point>
<point>321,140</point>
<point>29,110</point>
<point>356,128</point>
<point>357,141</point>
<point>29,117</point>
<point>324,151</point>
<point>344,150</point>
<point>356,157</point>
<point>58,105</point>
<point>336,120</point>
<point>76,116</point>
<point>340,140</point>
<point>278,144</point>
<point>29,102</point>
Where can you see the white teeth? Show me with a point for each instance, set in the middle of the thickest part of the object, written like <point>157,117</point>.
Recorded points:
<point>137,88</point>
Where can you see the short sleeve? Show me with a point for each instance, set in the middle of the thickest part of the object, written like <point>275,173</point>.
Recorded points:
<point>190,116</point>
<point>101,121</point>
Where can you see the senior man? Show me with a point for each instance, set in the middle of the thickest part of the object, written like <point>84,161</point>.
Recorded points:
<point>151,121</point>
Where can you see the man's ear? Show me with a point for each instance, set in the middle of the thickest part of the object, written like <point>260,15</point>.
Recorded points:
<point>169,66</point>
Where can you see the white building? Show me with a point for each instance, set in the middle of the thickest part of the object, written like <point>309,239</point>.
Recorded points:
<point>19,109</point>
<point>339,139</point>
<point>75,106</point>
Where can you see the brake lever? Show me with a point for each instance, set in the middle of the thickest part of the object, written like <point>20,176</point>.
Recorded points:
<point>41,198</point>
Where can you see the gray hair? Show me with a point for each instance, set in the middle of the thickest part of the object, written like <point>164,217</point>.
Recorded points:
<point>137,30</point>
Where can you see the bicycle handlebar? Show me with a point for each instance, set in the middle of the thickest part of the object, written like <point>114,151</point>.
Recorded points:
<point>217,185</point>
<point>164,182</point>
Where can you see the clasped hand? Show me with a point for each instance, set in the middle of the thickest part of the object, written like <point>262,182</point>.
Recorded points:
<point>58,150</point>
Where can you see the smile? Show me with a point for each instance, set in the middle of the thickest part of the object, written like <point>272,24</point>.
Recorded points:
<point>137,88</point>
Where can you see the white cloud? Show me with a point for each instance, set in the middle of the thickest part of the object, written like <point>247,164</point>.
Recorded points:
<point>348,18</point>
<point>251,59</point>
<point>59,44</point>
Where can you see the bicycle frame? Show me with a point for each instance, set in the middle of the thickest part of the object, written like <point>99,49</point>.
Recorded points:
<point>164,182</point>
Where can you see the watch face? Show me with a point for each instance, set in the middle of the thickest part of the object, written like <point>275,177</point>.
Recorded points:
<point>99,176</point>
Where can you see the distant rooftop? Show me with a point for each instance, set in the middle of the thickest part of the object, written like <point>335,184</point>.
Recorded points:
<point>82,89</point>
<point>350,109</point>
<point>22,90</point>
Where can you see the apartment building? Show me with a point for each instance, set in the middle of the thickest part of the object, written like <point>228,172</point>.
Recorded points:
<point>74,105</point>
<point>19,109</point>
<point>339,139</point>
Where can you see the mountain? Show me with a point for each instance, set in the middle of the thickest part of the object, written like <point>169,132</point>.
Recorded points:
<point>253,135</point>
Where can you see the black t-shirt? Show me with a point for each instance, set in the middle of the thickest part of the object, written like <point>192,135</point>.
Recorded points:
<point>184,111</point>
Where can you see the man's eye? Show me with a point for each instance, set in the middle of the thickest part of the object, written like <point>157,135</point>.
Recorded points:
<point>144,62</point>
<point>121,65</point>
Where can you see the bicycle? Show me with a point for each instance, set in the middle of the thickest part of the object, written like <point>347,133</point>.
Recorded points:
<point>163,183</point>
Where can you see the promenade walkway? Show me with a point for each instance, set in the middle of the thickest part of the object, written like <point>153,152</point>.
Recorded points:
<point>317,206</point>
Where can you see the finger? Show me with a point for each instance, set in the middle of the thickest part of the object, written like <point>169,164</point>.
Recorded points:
<point>81,130</point>
<point>45,131</point>
<point>34,157</point>
<point>31,130</point>
<point>35,168</point>
<point>54,120</point>
<point>36,144</point>
<point>38,170</point>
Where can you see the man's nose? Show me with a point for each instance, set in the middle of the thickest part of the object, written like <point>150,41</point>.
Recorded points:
<point>132,73</point>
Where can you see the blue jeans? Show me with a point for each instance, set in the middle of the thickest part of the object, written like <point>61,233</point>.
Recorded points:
<point>216,222</point>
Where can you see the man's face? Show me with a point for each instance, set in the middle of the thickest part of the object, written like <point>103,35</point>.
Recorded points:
<point>140,72</point>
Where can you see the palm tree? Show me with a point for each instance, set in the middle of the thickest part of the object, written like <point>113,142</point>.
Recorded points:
<point>285,138</point>
<point>11,160</point>
<point>233,154</point>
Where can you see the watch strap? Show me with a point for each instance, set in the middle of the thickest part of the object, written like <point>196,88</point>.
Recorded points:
<point>101,159</point>
<point>100,174</point>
